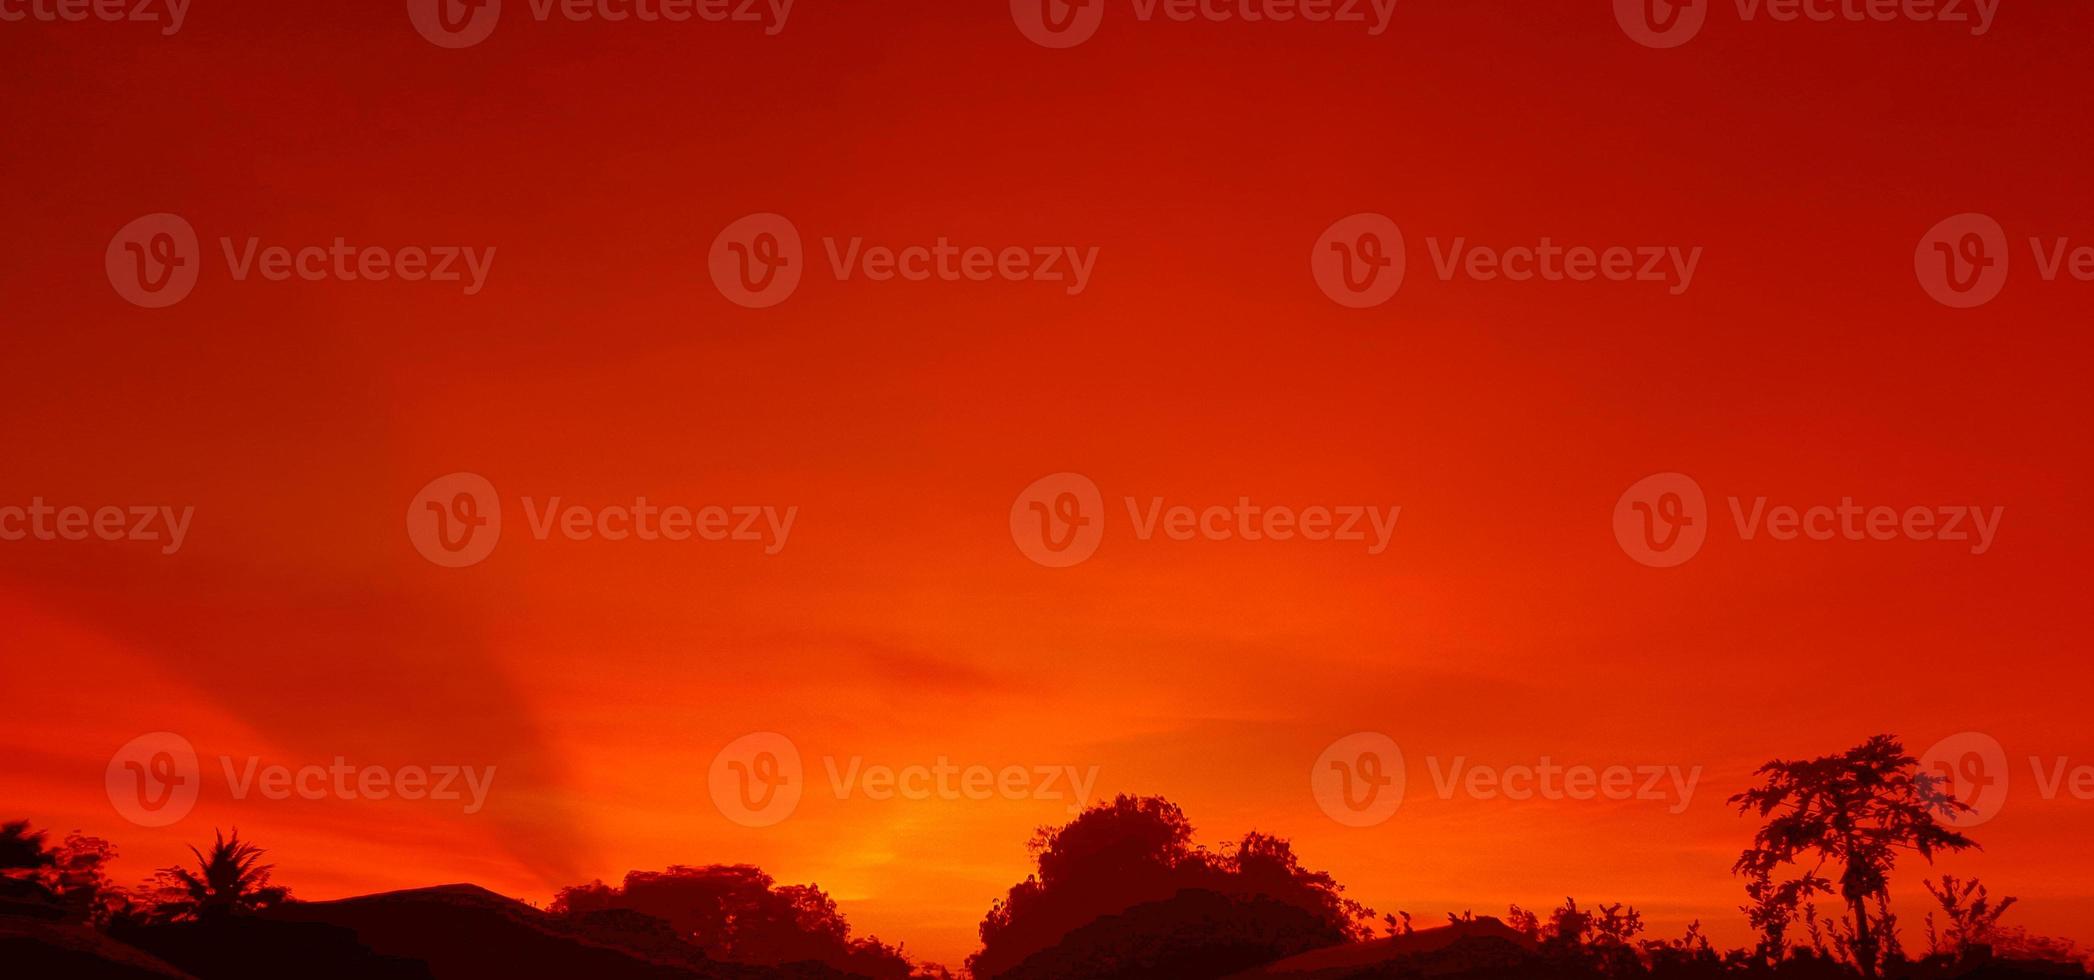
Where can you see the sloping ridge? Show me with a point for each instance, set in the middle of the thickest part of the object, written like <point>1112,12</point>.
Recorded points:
<point>449,932</point>
<point>1483,944</point>
<point>39,948</point>
<point>466,931</point>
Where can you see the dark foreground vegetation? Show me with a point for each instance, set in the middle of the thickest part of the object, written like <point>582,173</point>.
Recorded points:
<point>1121,891</point>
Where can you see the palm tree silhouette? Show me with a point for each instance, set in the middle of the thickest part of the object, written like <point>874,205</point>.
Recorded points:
<point>228,880</point>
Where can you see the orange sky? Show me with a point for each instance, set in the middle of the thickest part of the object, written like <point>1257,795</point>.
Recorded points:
<point>1201,364</point>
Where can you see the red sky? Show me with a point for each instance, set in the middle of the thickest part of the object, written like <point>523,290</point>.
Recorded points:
<point>900,623</point>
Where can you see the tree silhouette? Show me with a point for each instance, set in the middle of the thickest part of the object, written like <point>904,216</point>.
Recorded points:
<point>227,881</point>
<point>1137,851</point>
<point>22,848</point>
<point>738,914</point>
<point>1856,809</point>
<point>24,863</point>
